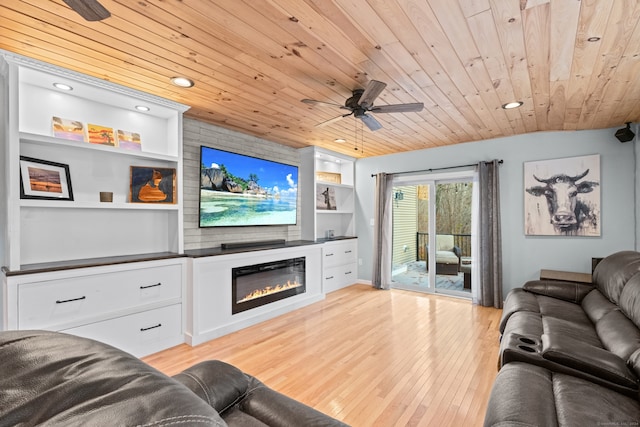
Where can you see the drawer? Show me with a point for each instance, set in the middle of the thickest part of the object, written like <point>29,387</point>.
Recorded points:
<point>338,253</point>
<point>139,334</point>
<point>68,302</point>
<point>335,278</point>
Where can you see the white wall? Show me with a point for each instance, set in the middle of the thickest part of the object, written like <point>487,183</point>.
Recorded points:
<point>523,256</point>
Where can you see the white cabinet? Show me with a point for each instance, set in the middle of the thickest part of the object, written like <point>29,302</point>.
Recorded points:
<point>327,181</point>
<point>134,306</point>
<point>339,264</point>
<point>45,231</point>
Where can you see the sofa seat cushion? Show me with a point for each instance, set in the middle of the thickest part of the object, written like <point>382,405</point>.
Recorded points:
<point>529,395</point>
<point>565,310</point>
<point>584,332</point>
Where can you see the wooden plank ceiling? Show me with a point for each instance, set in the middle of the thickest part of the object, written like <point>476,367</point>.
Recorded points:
<point>575,64</point>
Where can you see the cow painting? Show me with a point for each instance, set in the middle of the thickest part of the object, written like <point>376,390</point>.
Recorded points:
<point>559,203</point>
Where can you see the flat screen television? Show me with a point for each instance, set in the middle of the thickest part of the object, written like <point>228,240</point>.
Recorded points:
<point>239,190</point>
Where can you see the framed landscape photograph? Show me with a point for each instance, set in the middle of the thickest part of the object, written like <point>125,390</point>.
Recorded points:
<point>40,179</point>
<point>152,185</point>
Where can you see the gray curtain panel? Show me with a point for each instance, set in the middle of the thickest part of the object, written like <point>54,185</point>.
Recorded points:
<point>490,253</point>
<point>381,275</point>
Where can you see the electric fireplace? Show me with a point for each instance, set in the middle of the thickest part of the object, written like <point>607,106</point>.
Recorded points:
<point>260,284</point>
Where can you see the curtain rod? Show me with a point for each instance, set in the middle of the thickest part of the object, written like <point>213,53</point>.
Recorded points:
<point>438,169</point>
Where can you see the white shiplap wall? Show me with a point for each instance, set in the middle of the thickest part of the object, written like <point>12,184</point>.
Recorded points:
<point>198,133</point>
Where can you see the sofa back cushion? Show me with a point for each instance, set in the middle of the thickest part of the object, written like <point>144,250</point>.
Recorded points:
<point>630,299</point>
<point>618,334</point>
<point>596,306</point>
<point>613,272</point>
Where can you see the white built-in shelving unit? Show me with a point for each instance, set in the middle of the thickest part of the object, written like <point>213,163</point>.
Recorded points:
<point>322,170</point>
<point>42,231</point>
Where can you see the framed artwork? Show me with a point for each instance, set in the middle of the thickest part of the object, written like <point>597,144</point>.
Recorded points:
<point>326,198</point>
<point>40,179</point>
<point>101,135</point>
<point>562,197</point>
<point>129,140</point>
<point>152,185</point>
<point>72,130</point>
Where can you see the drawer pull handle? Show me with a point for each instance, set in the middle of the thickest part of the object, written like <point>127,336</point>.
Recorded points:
<point>150,327</point>
<point>347,252</point>
<point>347,272</point>
<point>151,286</point>
<point>328,278</point>
<point>70,300</point>
<point>328,254</point>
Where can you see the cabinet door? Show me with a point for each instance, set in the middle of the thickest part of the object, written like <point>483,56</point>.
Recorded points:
<point>338,277</point>
<point>338,253</point>
<point>71,301</point>
<point>139,334</point>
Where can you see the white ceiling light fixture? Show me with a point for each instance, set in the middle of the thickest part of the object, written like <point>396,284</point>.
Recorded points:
<point>62,86</point>
<point>340,140</point>
<point>182,81</point>
<point>510,105</point>
<point>142,108</point>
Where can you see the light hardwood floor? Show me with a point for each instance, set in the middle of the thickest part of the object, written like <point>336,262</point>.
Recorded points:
<point>369,357</point>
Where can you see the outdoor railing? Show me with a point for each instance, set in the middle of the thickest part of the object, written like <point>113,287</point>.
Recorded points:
<point>463,241</point>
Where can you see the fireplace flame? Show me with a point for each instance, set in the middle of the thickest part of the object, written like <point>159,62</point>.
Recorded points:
<point>268,290</point>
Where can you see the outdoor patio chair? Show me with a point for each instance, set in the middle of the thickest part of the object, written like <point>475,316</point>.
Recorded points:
<point>448,256</point>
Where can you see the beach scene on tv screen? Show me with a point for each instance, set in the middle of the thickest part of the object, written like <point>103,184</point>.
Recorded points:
<point>238,190</point>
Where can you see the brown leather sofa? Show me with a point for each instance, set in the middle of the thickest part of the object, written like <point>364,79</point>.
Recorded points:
<point>58,379</point>
<point>570,352</point>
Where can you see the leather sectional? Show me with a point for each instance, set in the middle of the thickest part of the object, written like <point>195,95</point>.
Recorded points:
<point>570,352</point>
<point>52,378</point>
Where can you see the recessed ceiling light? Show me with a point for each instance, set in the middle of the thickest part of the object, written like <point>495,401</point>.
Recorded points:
<point>593,39</point>
<point>510,105</point>
<point>142,108</point>
<point>340,140</point>
<point>62,86</point>
<point>182,81</point>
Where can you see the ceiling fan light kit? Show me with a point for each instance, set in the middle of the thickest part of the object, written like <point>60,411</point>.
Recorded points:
<point>361,102</point>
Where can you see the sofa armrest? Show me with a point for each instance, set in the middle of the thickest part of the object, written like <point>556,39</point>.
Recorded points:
<point>275,409</point>
<point>567,291</point>
<point>226,388</point>
<point>219,384</point>
<point>587,358</point>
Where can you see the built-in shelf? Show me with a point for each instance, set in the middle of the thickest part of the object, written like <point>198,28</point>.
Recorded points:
<point>63,204</point>
<point>49,140</point>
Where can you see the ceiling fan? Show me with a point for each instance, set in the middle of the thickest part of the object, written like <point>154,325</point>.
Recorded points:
<point>90,10</point>
<point>361,103</point>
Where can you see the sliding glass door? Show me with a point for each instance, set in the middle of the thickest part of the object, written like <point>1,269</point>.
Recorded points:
<point>432,230</point>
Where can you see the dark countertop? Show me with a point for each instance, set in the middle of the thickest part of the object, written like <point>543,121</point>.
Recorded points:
<point>47,267</point>
<point>198,253</point>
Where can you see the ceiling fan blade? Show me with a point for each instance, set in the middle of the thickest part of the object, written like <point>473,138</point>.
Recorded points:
<point>321,103</point>
<point>371,122</point>
<point>90,10</point>
<point>371,92</point>
<point>335,119</point>
<point>398,108</point>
